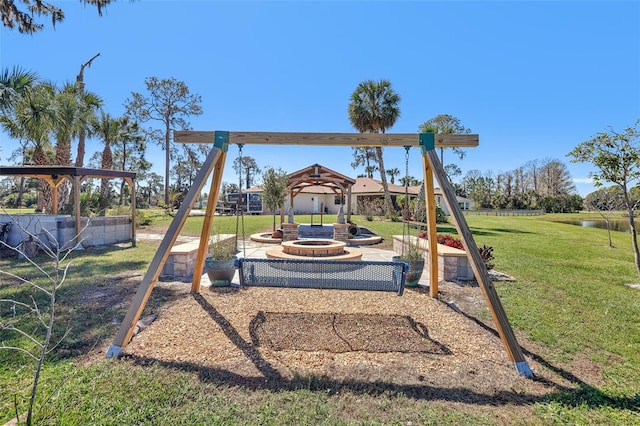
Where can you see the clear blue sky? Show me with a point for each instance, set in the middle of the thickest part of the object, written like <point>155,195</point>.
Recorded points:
<point>533,79</point>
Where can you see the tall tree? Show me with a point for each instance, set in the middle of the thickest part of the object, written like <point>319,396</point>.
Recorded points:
<point>554,179</point>
<point>247,168</point>
<point>15,14</point>
<point>169,102</point>
<point>445,123</point>
<point>364,156</point>
<point>616,156</point>
<point>374,109</point>
<point>88,104</point>
<point>128,150</point>
<point>107,129</point>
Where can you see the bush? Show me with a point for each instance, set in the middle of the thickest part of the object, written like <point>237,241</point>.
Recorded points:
<point>450,241</point>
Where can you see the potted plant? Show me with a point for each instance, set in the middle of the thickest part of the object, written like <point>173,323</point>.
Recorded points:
<point>220,263</point>
<point>414,256</point>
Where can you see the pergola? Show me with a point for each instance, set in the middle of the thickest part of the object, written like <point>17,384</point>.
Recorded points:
<point>431,167</point>
<point>317,175</point>
<point>56,175</point>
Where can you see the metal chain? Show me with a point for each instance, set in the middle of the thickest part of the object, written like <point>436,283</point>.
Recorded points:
<point>406,234</point>
<point>239,209</point>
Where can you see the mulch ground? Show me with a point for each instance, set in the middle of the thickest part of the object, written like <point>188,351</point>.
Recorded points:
<point>413,344</point>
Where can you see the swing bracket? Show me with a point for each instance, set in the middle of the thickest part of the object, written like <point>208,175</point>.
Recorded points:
<point>221,140</point>
<point>427,142</point>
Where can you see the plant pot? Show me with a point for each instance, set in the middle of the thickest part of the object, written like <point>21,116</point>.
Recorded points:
<point>277,233</point>
<point>415,271</point>
<point>220,272</point>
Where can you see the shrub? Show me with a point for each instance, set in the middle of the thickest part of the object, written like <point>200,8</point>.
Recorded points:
<point>486,252</point>
<point>450,241</point>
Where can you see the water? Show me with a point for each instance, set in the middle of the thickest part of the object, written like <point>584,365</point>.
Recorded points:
<point>620,225</point>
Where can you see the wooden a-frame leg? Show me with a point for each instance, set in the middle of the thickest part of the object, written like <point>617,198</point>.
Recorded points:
<point>212,201</point>
<point>480,271</point>
<point>127,326</point>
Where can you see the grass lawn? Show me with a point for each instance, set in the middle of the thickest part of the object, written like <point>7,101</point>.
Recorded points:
<point>569,303</point>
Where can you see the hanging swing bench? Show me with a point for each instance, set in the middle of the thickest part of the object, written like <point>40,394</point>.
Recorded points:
<point>323,274</point>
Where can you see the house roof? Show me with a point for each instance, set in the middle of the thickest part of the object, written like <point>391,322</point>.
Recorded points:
<point>365,185</point>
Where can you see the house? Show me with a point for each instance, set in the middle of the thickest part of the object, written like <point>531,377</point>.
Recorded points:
<point>463,203</point>
<point>318,189</point>
<point>368,189</point>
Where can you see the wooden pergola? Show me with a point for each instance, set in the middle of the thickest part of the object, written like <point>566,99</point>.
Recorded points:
<point>56,175</point>
<point>431,167</point>
<point>317,175</point>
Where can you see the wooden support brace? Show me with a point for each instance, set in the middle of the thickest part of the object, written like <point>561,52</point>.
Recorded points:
<point>480,271</point>
<point>132,316</point>
<point>212,202</point>
<point>427,142</point>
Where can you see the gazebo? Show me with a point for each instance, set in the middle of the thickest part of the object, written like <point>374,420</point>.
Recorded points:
<point>317,175</point>
<point>56,175</point>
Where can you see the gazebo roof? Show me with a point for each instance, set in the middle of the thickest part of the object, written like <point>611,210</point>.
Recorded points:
<point>317,175</point>
<point>54,172</point>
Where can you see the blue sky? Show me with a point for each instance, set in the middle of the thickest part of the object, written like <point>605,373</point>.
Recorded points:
<point>533,79</point>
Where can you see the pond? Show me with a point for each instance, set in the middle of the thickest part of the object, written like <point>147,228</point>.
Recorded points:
<point>621,225</point>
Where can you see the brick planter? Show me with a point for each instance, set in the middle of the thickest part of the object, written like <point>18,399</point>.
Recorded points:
<point>453,263</point>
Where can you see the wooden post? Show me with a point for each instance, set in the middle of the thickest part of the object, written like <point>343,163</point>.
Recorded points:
<point>349,203</point>
<point>477,264</point>
<point>76,198</point>
<point>427,142</point>
<point>132,185</point>
<point>203,248</point>
<point>127,326</point>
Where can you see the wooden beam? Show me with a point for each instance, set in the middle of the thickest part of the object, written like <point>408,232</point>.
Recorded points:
<point>479,269</point>
<point>205,233</point>
<point>132,316</point>
<point>442,140</point>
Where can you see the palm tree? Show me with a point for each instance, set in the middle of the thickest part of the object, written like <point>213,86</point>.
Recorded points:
<point>88,105</point>
<point>32,120</point>
<point>106,128</point>
<point>13,84</point>
<point>374,109</point>
<point>393,173</point>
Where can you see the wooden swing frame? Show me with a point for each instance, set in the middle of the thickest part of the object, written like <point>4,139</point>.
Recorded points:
<point>215,162</point>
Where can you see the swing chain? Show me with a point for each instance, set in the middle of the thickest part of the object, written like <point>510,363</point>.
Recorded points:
<point>406,233</point>
<point>239,208</point>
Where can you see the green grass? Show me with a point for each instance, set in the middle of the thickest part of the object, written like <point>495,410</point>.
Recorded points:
<point>569,297</point>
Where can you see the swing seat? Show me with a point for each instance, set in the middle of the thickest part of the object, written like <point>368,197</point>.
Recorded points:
<point>323,274</point>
